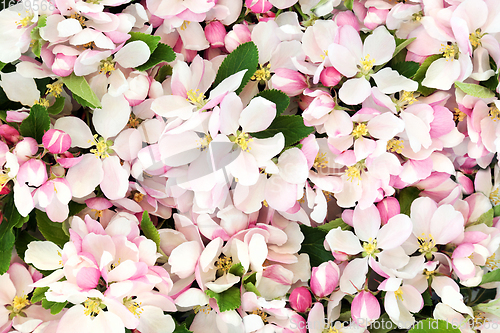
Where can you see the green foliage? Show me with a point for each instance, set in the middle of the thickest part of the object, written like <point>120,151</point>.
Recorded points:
<point>245,56</point>
<point>22,240</point>
<point>80,87</point>
<point>292,127</point>
<point>383,325</point>
<point>7,241</point>
<point>348,4</point>
<point>474,90</point>
<point>150,40</point>
<point>277,97</point>
<point>57,107</point>
<point>54,307</point>
<point>493,276</point>
<point>420,74</point>
<point>226,300</point>
<point>313,245</point>
<point>433,325</point>
<point>2,65</point>
<point>52,231</point>
<point>162,53</point>
<point>36,124</point>
<point>406,197</point>
<point>163,72</point>
<point>237,269</point>
<point>407,69</point>
<point>334,224</point>
<point>150,230</point>
<point>181,328</point>
<point>38,294</point>
<point>486,218</point>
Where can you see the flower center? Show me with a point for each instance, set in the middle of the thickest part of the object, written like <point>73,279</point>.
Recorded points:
<point>133,307</point>
<point>102,147</point>
<point>320,161</point>
<point>367,64</point>
<point>93,306</point>
<point>479,318</point>
<point>475,38</point>
<point>370,247</point>
<point>20,303</point>
<point>458,115</point>
<point>107,66</point>
<point>54,89</point>
<point>242,140</point>
<point>43,102</point>
<point>330,329</point>
<point>495,196</point>
<point>494,113</point>
<point>79,18</point>
<point>395,146</point>
<point>262,315</point>
<point>450,52</point>
<point>427,244</point>
<point>263,73</point>
<point>224,264</point>
<point>428,274</point>
<point>205,309</point>
<point>399,294</point>
<point>492,263</point>
<point>359,131</point>
<point>25,21</point>
<point>205,141</point>
<point>196,98</point>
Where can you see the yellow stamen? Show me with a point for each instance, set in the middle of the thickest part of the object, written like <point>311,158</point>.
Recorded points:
<point>133,121</point>
<point>43,102</point>
<point>261,314</point>
<point>196,98</point>
<point>395,146</point>
<point>367,64</point>
<point>20,303</point>
<point>428,274</point>
<point>325,55</point>
<point>495,197</point>
<point>54,89</point>
<point>479,318</point>
<point>205,141</point>
<point>450,52</point>
<point>417,17</point>
<point>184,25</point>
<point>492,263</point>
<point>4,179</point>
<point>138,197</point>
<point>223,264</point>
<point>101,147</point>
<point>359,131</point>
<point>97,212</point>
<point>399,294</point>
<point>243,140</point>
<point>458,115</point>
<point>25,21</point>
<point>89,45</point>
<point>427,244</point>
<point>330,329</point>
<point>80,19</point>
<point>133,307</point>
<point>494,113</point>
<point>92,306</point>
<point>370,247</point>
<point>263,73</point>
<point>353,172</point>
<point>107,66</point>
<point>265,203</point>
<point>205,309</point>
<point>320,161</point>
<point>475,38</point>
<point>408,97</point>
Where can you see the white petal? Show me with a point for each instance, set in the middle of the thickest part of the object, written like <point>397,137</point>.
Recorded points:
<point>85,176</point>
<point>80,133</point>
<point>112,117</point>
<point>355,91</point>
<point>133,54</point>
<point>390,81</point>
<point>258,115</point>
<point>43,255</point>
<point>11,83</point>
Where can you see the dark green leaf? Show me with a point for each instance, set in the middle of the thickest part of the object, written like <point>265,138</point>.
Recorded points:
<point>406,197</point>
<point>237,269</point>
<point>427,298</point>
<point>434,325</point>
<point>492,276</point>
<point>407,69</point>
<point>47,304</point>
<point>491,83</point>
<point>149,229</point>
<point>52,231</point>
<point>382,325</point>
<point>250,278</point>
<point>22,241</point>
<point>57,307</point>
<point>334,224</point>
<point>163,72</point>
<point>75,208</point>
<point>162,53</point>
<point>2,65</point>
<point>36,123</point>
<point>6,245</point>
<point>292,127</point>
<point>79,86</point>
<point>151,40</point>
<point>38,294</point>
<point>181,328</point>
<point>420,74</point>
<point>226,300</point>
<point>277,97</point>
<point>474,90</point>
<point>6,103</point>
<point>245,56</point>
<point>58,106</point>
<point>313,245</point>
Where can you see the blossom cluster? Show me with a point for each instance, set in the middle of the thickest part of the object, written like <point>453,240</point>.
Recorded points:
<point>289,166</point>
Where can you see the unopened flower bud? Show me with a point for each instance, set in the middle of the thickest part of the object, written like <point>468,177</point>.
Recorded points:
<point>32,172</point>
<point>239,35</point>
<point>365,309</point>
<point>9,133</point>
<point>289,81</point>
<point>215,32</point>
<point>300,299</point>
<point>56,141</point>
<point>324,278</point>
<point>330,77</point>
<point>387,208</point>
<point>259,6</point>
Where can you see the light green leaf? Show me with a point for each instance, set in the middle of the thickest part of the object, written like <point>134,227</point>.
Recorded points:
<point>334,224</point>
<point>2,65</point>
<point>150,230</point>
<point>237,269</point>
<point>38,294</point>
<point>36,124</point>
<point>181,328</point>
<point>486,218</point>
<point>52,231</point>
<point>249,286</point>
<point>406,197</point>
<point>496,210</point>
<point>151,40</point>
<point>162,53</point>
<point>57,307</point>
<point>226,300</point>
<point>80,87</point>
<point>348,4</point>
<point>292,127</point>
<point>474,90</point>
<point>57,107</point>
<point>277,97</point>
<point>493,276</point>
<point>492,307</point>
<point>313,245</point>
<point>401,45</point>
<point>245,56</point>
<point>434,325</point>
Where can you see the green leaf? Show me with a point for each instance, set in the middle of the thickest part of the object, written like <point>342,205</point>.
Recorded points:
<point>401,44</point>
<point>57,307</point>
<point>2,65</point>
<point>496,211</point>
<point>226,300</point>
<point>245,56</point>
<point>406,197</point>
<point>237,269</point>
<point>249,286</point>
<point>162,53</point>
<point>407,69</point>
<point>79,86</point>
<point>22,241</point>
<point>36,123</point>
<point>474,90</point>
<point>492,276</point>
<point>382,325</point>
<point>491,83</point>
<point>149,229</point>
<point>11,216</point>
<point>163,72</point>
<point>277,97</point>
<point>313,245</point>
<point>434,325</point>
<point>52,231</point>
<point>252,278</point>
<point>6,103</point>
<point>7,241</point>
<point>348,4</point>
<point>486,218</point>
<point>420,74</point>
<point>75,208</point>
<point>492,307</point>
<point>427,298</point>
<point>292,127</point>
<point>57,107</point>
<point>152,41</point>
<point>38,294</point>
<point>181,328</point>
<point>334,224</point>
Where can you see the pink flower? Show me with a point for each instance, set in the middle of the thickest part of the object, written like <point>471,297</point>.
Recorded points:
<point>324,279</point>
<point>56,141</point>
<point>365,308</point>
<point>300,299</point>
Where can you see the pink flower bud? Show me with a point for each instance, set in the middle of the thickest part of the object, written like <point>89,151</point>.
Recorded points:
<point>347,18</point>
<point>215,32</point>
<point>289,81</point>
<point>365,309</point>
<point>63,64</point>
<point>9,133</point>
<point>329,77</point>
<point>239,35</point>
<point>324,278</point>
<point>56,141</point>
<point>465,183</point>
<point>258,6</point>
<point>300,299</point>
<point>387,208</point>
<point>25,149</point>
<point>32,172</point>
<point>375,17</point>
